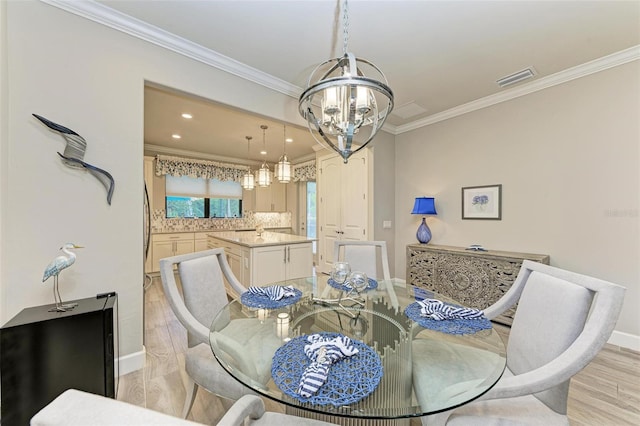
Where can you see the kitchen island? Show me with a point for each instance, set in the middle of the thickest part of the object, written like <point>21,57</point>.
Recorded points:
<point>260,260</point>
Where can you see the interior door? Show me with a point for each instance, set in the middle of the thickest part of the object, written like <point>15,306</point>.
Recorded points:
<point>329,202</point>
<point>354,198</point>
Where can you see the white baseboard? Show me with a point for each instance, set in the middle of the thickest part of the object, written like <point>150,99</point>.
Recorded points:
<point>132,362</point>
<point>625,340</point>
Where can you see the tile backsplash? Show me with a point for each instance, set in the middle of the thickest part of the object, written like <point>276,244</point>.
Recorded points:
<point>159,222</point>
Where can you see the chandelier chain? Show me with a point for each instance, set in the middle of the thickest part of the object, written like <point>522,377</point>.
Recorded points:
<point>345,26</point>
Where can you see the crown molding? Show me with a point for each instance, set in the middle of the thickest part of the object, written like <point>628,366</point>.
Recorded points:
<point>113,19</point>
<point>583,70</point>
<point>119,21</point>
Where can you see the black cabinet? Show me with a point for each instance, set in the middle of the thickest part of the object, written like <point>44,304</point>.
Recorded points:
<point>44,353</point>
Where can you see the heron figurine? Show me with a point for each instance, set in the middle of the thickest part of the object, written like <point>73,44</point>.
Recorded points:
<point>53,270</point>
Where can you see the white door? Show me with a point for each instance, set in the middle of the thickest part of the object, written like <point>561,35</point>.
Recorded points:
<point>354,198</point>
<point>329,202</point>
<point>343,191</point>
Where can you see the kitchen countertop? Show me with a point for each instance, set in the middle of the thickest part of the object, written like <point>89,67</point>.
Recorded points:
<point>250,238</point>
<point>174,231</point>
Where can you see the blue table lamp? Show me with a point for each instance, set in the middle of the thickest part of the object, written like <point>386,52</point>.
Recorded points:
<point>424,205</point>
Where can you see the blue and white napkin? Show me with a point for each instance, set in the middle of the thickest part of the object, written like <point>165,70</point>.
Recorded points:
<point>274,292</point>
<point>323,352</point>
<point>438,310</point>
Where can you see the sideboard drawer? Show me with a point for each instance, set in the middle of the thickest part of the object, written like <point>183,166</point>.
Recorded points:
<point>475,279</point>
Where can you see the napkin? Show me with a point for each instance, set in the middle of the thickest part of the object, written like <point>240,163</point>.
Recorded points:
<point>273,292</point>
<point>438,310</point>
<point>323,352</point>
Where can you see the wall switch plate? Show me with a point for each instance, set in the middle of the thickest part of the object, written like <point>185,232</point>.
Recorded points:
<point>386,224</point>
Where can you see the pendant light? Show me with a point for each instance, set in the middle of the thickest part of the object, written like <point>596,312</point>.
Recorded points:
<point>263,175</point>
<point>283,168</point>
<point>248,180</point>
<point>341,101</point>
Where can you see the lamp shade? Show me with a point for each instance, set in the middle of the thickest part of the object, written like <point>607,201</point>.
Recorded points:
<point>424,205</point>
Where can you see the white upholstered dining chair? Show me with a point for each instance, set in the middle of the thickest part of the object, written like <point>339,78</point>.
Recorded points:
<point>202,297</point>
<point>363,256</point>
<point>562,321</point>
<point>78,408</point>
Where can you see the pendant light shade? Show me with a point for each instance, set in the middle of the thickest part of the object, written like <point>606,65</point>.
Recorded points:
<point>283,168</point>
<point>248,180</point>
<point>346,102</point>
<point>263,175</point>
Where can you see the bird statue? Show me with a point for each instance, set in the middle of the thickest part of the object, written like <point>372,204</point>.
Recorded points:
<point>53,270</point>
<point>74,155</point>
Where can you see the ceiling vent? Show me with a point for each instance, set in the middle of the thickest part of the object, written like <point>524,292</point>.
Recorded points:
<point>517,77</point>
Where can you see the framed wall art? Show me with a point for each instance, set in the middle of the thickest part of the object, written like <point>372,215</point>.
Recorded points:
<point>482,202</point>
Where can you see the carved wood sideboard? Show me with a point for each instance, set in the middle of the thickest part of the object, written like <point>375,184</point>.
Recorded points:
<point>475,279</point>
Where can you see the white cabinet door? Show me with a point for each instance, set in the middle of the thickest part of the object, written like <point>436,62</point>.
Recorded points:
<point>200,244</point>
<point>278,197</point>
<point>272,198</point>
<point>344,206</point>
<point>263,199</point>
<point>235,263</point>
<point>160,250</point>
<point>183,247</point>
<point>299,260</point>
<point>267,265</point>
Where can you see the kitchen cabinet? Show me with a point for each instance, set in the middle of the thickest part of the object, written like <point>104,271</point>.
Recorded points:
<point>345,207</point>
<point>200,241</point>
<point>272,198</point>
<point>235,259</point>
<point>279,263</point>
<point>167,245</point>
<point>272,257</point>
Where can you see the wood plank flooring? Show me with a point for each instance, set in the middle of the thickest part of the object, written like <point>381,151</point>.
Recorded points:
<point>605,393</point>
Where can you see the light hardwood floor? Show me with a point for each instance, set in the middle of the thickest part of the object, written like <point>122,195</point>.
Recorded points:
<point>605,393</point>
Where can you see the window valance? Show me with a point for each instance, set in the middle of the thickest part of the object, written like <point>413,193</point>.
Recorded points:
<point>178,166</point>
<point>304,171</point>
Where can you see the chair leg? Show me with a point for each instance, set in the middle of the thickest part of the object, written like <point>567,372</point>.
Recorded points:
<point>192,389</point>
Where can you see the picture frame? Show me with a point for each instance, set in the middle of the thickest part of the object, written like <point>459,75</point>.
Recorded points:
<point>482,202</point>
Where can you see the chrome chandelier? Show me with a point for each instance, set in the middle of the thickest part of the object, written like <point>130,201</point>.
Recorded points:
<point>283,168</point>
<point>341,101</point>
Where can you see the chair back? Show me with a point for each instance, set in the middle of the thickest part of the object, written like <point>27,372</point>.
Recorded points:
<point>203,295</point>
<point>560,314</point>
<point>363,256</point>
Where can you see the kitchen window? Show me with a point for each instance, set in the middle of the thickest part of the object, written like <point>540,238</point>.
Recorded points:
<point>202,198</point>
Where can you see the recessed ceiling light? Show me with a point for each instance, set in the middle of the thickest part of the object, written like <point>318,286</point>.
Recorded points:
<point>263,152</point>
<point>187,116</point>
<point>288,140</point>
<point>176,136</point>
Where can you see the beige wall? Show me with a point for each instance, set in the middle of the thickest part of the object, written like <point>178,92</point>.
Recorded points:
<point>91,79</point>
<point>568,160</point>
<point>383,192</point>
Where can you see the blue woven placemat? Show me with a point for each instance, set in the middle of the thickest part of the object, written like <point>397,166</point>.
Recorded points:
<point>452,326</point>
<point>260,301</point>
<point>372,285</point>
<point>350,379</point>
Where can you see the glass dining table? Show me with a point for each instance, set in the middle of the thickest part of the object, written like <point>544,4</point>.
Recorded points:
<point>405,366</point>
